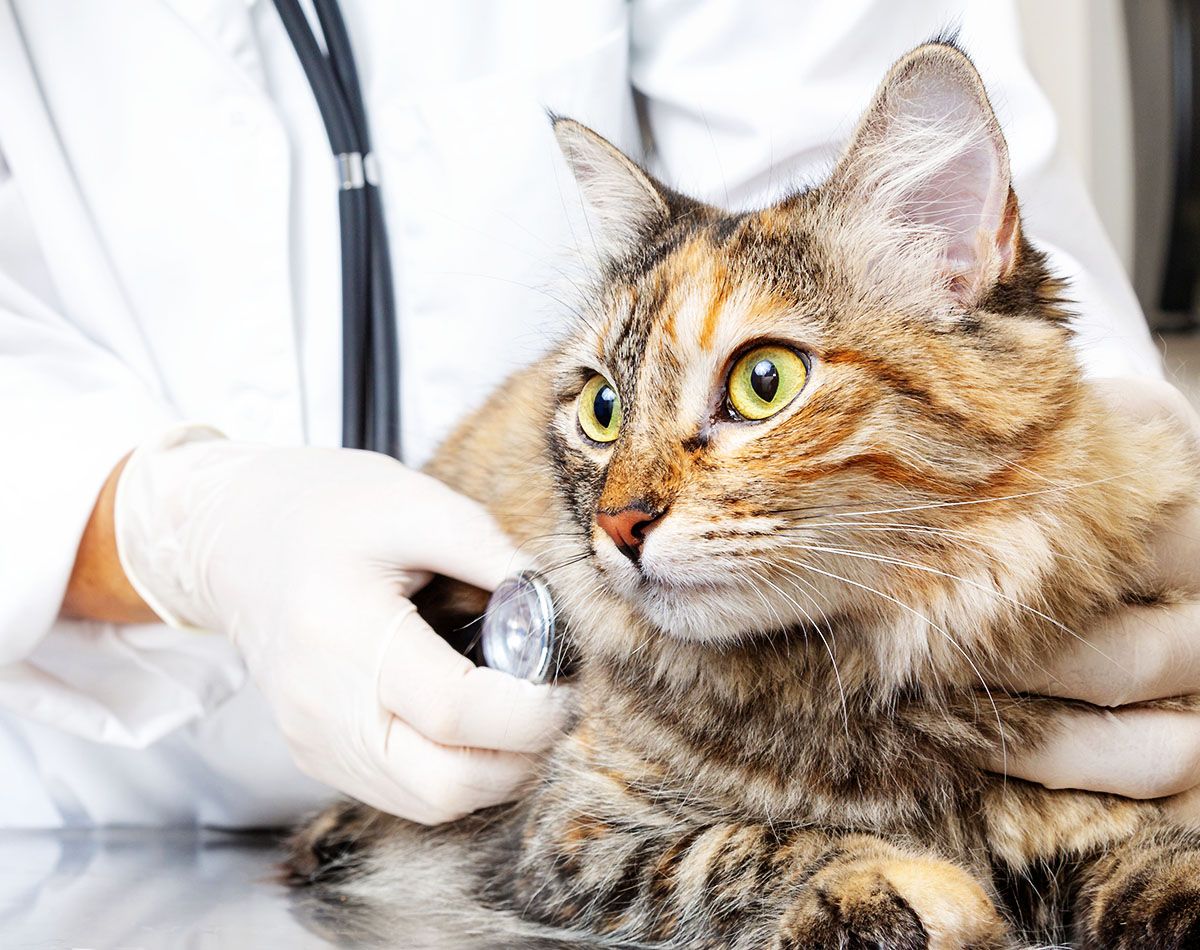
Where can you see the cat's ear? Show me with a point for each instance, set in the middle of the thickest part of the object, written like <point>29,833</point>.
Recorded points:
<point>929,157</point>
<point>626,203</point>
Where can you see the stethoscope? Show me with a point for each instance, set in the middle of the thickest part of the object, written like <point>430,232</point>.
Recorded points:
<point>370,348</point>
<point>518,635</point>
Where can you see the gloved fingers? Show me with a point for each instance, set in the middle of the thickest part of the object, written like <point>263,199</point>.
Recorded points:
<point>345,753</point>
<point>387,797</point>
<point>1184,808</point>
<point>1138,753</point>
<point>375,757</point>
<point>1138,654</point>
<point>1147,400</point>
<point>450,782</point>
<point>450,701</point>
<point>447,533</point>
<point>1175,550</point>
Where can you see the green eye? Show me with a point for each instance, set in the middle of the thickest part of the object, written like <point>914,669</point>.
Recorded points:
<point>599,410</point>
<point>764,380</point>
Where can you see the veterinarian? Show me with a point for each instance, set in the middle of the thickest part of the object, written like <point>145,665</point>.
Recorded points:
<point>221,634</point>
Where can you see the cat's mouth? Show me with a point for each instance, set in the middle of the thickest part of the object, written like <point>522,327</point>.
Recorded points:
<point>681,598</point>
<point>681,583</point>
<point>635,583</point>
<point>688,585</point>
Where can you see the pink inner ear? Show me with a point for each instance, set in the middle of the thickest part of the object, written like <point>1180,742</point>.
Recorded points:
<point>964,187</point>
<point>965,199</point>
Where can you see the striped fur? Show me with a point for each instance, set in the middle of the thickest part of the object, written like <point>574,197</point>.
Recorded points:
<point>783,734</point>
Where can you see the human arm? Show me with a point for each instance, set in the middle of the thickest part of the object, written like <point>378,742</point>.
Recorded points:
<point>76,393</point>
<point>98,588</point>
<point>305,559</point>
<point>1135,656</point>
<point>71,405</point>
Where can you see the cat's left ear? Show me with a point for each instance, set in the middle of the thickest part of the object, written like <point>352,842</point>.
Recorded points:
<point>929,157</point>
<point>627,205</point>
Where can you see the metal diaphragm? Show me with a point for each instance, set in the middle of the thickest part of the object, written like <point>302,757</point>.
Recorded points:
<point>518,628</point>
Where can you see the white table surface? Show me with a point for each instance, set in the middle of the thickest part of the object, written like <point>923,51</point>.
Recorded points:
<point>132,889</point>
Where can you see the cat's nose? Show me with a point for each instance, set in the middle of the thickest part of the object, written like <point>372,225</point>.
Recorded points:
<point>628,527</point>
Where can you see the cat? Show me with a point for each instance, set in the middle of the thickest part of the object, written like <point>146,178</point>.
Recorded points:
<point>804,480</point>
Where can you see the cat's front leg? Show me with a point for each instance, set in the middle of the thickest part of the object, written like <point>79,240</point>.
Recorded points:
<point>748,886</point>
<point>1130,875</point>
<point>868,893</point>
<point>1142,895</point>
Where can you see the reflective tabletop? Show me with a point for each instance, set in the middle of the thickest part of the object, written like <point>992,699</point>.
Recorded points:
<point>151,889</point>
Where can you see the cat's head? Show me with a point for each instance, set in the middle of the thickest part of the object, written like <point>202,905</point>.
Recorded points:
<point>758,410</point>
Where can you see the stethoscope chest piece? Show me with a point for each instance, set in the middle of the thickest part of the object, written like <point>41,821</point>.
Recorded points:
<point>518,628</point>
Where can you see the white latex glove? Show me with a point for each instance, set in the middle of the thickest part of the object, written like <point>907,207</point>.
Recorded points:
<point>1139,654</point>
<point>306,559</point>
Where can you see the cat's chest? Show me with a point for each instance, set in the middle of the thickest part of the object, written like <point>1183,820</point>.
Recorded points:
<point>810,759</point>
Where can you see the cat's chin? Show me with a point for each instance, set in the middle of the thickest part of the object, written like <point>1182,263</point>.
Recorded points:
<point>694,613</point>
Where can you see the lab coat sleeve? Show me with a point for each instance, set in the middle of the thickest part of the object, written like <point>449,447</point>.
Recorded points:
<point>745,99</point>
<point>69,410</point>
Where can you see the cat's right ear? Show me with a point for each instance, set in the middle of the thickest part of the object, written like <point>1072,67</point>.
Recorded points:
<point>626,204</point>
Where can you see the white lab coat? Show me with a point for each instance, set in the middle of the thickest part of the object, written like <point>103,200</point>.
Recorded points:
<point>169,250</point>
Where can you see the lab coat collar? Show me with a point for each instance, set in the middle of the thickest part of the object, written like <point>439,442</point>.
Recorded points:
<point>226,27</point>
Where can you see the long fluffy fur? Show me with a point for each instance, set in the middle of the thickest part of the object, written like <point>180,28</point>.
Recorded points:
<point>783,735</point>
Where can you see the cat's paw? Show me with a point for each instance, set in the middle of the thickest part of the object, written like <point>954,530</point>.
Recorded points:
<point>329,845</point>
<point>897,902</point>
<point>1145,902</point>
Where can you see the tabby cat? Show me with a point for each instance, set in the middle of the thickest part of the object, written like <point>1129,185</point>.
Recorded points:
<point>803,480</point>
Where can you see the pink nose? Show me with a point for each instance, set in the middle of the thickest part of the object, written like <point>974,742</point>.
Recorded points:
<point>628,527</point>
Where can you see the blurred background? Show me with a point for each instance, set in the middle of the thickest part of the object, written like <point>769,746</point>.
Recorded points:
<point>1124,78</point>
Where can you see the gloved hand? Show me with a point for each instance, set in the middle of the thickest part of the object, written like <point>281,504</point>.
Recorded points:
<point>306,559</point>
<point>1139,654</point>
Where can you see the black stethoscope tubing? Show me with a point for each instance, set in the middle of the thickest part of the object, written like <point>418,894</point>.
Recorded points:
<point>370,346</point>
<point>370,351</point>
